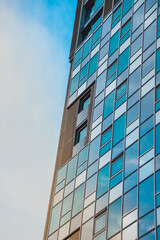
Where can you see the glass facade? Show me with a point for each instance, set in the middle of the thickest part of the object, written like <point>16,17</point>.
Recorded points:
<point>110,189</point>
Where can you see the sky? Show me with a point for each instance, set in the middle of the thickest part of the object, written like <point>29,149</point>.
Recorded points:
<point>35,37</point>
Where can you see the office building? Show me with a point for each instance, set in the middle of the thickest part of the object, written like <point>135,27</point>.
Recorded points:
<point>106,183</point>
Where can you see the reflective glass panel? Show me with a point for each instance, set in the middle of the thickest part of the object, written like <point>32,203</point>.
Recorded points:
<point>67,204</point>
<point>114,218</point>
<point>132,113</point>
<point>146,196</point>
<point>146,126</point>
<point>131,159</point>
<point>78,200</point>
<point>100,223</point>
<point>146,142</point>
<point>93,65</point>
<point>134,81</point>
<point>157,150</point>
<point>117,166</point>
<point>82,156</point>
<point>147,106</point>
<point>158,60</point>
<point>123,61</point>
<point>146,223</point>
<point>91,185</point>
<point>94,150</point>
<point>119,129</point>
<point>130,182</point>
<point>149,35</point>
<point>71,171</point>
<point>114,42</point>
<point>108,105</point>
<point>103,180</point>
<point>157,181</point>
<point>55,214</point>
<point>130,201</point>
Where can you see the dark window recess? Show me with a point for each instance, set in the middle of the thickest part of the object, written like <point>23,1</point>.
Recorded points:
<point>84,102</point>
<point>81,133</point>
<point>91,18</point>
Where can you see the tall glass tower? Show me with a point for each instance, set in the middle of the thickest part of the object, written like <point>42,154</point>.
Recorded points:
<point>106,184</point>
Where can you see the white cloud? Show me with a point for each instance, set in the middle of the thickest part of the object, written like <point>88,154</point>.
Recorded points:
<point>33,78</point>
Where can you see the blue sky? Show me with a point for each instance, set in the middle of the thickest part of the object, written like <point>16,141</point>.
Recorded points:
<point>34,46</point>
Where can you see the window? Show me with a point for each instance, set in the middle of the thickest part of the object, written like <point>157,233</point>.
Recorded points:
<point>121,94</point>
<point>117,166</point>
<point>131,159</point>
<point>139,14</point>
<point>146,224</point>
<point>157,132</point>
<point>127,4</point>
<point>94,150</point>
<point>147,106</point>
<point>71,170</point>
<point>130,201</point>
<point>134,81</point>
<point>111,74</point>
<point>114,42</point>
<point>114,218</point>
<point>100,223</point>
<point>146,196</point>
<point>103,177</point>
<point>108,104</point>
<point>123,61</point>
<point>55,214</point>
<point>125,32</point>
<point>146,142</point>
<point>93,65</point>
<point>78,200</point>
<point>84,102</point>
<point>106,141</point>
<point>74,84</point>
<point>119,129</point>
<point>116,16</point>
<point>80,133</point>
<point>158,60</point>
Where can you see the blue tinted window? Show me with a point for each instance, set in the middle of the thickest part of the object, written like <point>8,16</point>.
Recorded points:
<point>146,142</point>
<point>123,61</point>
<point>61,174</point>
<point>108,105</point>
<point>157,181</point>
<point>106,137</point>
<point>130,182</point>
<point>131,159</point>
<point>78,55</point>
<point>158,60</point>
<point>157,139</point>
<point>114,42</point>
<point>94,150</point>
<point>81,168</point>
<point>158,233</point>
<point>149,35</point>
<point>101,236</point>
<point>84,71</point>
<point>130,201</point>
<point>146,196</point>
<point>117,149</point>
<point>149,236</point>
<point>127,4</point>
<point>67,204</point>
<point>146,126</point>
<point>136,45</point>
<point>121,90</point>
<point>149,3</point>
<point>74,84</point>
<point>146,224</point>
<point>125,28</point>
<point>132,113</point>
<point>91,185</point>
<point>100,223</point>
<point>117,166</point>
<point>55,214</point>
<point>92,169</point>
<point>71,171</point>
<point>139,14</point>
<point>119,129</point>
<point>93,65</point>
<point>134,81</point>
<point>86,48</point>
<point>82,156</point>
<point>148,65</point>
<point>116,13</point>
<point>158,93</point>
<point>96,35</point>
<point>115,180</point>
<point>114,218</point>
<point>105,148</point>
<point>103,180</point>
<point>78,200</point>
<point>147,106</point>
<point>158,200</point>
<point>112,69</point>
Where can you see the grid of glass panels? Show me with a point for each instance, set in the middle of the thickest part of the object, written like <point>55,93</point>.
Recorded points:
<point>111,188</point>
